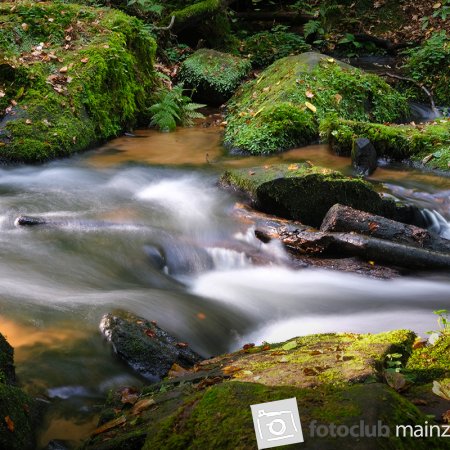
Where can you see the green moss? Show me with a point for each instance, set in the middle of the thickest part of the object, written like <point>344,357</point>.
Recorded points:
<point>7,373</point>
<point>305,194</point>
<point>197,10</point>
<point>432,361</point>
<point>16,405</point>
<point>395,142</point>
<point>266,47</point>
<point>107,82</point>
<point>428,64</point>
<point>290,98</point>
<point>213,75</point>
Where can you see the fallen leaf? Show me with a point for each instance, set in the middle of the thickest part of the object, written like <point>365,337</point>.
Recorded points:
<point>293,167</point>
<point>230,369</point>
<point>129,395</point>
<point>338,98</point>
<point>28,122</point>
<point>85,60</point>
<point>309,94</point>
<point>182,344</point>
<point>25,27</point>
<point>419,401</point>
<point>201,316</point>
<point>63,69</point>
<point>311,107</point>
<point>442,388</point>
<point>373,226</point>
<point>9,423</point>
<point>427,158</point>
<point>309,372</point>
<point>150,333</point>
<point>109,425</point>
<point>248,346</point>
<point>316,352</point>
<point>2,93</point>
<point>142,405</point>
<point>446,416</point>
<point>177,371</point>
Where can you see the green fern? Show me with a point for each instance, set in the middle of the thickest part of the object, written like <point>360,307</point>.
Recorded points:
<point>174,108</point>
<point>311,27</point>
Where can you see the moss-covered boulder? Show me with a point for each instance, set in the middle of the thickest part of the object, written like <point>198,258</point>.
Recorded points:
<point>72,75</point>
<point>267,46</point>
<point>395,142</point>
<point>213,76</point>
<point>335,378</point>
<point>284,106</point>
<point>16,422</point>
<point>305,193</point>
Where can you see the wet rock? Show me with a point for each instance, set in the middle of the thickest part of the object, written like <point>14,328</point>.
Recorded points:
<point>364,156</point>
<point>180,258</point>
<point>16,407</point>
<point>144,346</point>
<point>305,193</point>
<point>213,75</point>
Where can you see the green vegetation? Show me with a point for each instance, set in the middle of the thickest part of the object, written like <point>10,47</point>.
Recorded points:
<point>397,142</point>
<point>267,46</point>
<point>172,108</point>
<point>90,79</point>
<point>213,76</point>
<point>284,106</point>
<point>428,64</point>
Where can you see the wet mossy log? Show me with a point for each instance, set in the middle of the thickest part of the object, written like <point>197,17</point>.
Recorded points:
<point>345,219</point>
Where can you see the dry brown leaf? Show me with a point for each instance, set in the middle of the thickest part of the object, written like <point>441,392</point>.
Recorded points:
<point>63,69</point>
<point>311,107</point>
<point>230,369</point>
<point>142,405</point>
<point>109,425</point>
<point>9,423</point>
<point>129,395</point>
<point>177,371</point>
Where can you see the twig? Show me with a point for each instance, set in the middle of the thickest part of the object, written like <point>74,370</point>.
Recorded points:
<point>172,21</point>
<point>421,86</point>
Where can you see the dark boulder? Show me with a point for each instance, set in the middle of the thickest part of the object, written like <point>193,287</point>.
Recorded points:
<point>364,156</point>
<point>144,346</point>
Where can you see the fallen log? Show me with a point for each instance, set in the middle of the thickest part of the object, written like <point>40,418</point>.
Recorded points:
<point>342,218</point>
<point>366,248</point>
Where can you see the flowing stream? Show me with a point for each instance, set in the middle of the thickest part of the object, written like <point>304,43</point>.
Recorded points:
<point>113,204</point>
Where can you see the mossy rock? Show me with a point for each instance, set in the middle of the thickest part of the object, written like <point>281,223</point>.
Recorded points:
<point>395,142</point>
<point>7,371</point>
<point>267,46</point>
<point>214,76</point>
<point>220,417</point>
<point>431,362</point>
<point>16,407</point>
<point>89,80</point>
<point>305,193</point>
<point>284,106</point>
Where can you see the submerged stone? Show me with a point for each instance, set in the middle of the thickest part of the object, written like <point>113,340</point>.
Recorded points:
<point>364,156</point>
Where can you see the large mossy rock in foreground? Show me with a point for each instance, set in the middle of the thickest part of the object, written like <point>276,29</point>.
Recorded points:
<point>214,76</point>
<point>70,76</point>
<point>335,378</point>
<point>16,408</point>
<point>284,106</point>
<point>395,142</point>
<point>305,193</point>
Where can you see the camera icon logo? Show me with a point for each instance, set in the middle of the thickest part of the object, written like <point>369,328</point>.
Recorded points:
<point>277,423</point>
